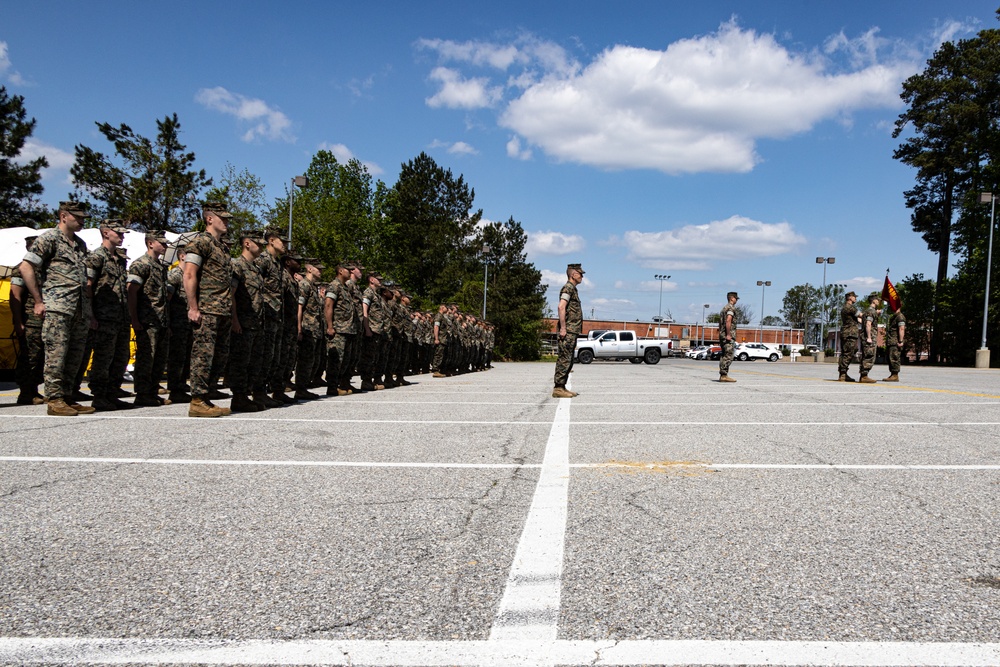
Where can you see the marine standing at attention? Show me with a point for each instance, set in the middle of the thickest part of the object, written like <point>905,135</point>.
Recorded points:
<point>727,336</point>
<point>570,326</point>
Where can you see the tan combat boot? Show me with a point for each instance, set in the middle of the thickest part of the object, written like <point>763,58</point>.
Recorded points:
<point>726,378</point>
<point>561,392</point>
<point>58,408</point>
<point>867,380</point>
<point>199,407</point>
<point>844,377</point>
<point>892,378</point>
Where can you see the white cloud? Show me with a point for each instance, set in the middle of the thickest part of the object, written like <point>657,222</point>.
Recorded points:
<point>696,247</point>
<point>558,279</point>
<point>459,93</point>
<point>515,151</point>
<point>701,104</point>
<point>462,148</point>
<point>60,161</point>
<point>525,51</point>
<point>345,155</point>
<point>554,243</point>
<point>6,68</point>
<point>256,115</point>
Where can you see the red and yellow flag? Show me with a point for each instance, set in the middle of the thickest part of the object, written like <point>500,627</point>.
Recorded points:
<point>890,295</point>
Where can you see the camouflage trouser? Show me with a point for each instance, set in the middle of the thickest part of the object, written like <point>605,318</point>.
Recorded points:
<point>387,347</point>
<point>402,357</point>
<point>310,356</point>
<point>339,350</point>
<point>895,354</point>
<point>65,339</point>
<point>369,356</point>
<point>209,352</point>
<point>848,346</point>
<point>867,357</point>
<point>244,361</point>
<point>30,360</point>
<point>178,356</point>
<point>439,350</point>
<point>270,355</point>
<point>726,357</point>
<point>111,353</point>
<point>564,364</point>
<point>289,354</point>
<point>150,358</point>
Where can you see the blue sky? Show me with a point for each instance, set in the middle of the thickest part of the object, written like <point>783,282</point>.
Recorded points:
<point>720,143</point>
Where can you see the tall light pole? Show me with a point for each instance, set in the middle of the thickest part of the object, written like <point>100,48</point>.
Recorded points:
<point>301,181</point>
<point>659,312</point>
<point>486,276</point>
<point>762,284</point>
<point>822,331</point>
<point>703,323</point>
<point>983,353</point>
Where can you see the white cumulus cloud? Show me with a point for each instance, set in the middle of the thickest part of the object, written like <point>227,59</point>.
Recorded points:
<point>554,243</point>
<point>7,71</point>
<point>699,105</point>
<point>697,247</point>
<point>460,93</point>
<point>515,151</point>
<point>257,116</point>
<point>59,160</point>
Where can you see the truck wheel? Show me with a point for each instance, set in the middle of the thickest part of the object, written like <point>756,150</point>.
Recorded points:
<point>634,360</point>
<point>585,356</point>
<point>773,357</point>
<point>743,356</point>
<point>652,356</point>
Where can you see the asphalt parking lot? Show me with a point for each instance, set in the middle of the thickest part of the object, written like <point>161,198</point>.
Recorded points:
<point>658,518</point>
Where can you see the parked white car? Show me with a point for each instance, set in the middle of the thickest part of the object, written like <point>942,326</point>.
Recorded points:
<point>754,351</point>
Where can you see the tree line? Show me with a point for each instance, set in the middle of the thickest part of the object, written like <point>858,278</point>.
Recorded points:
<point>422,232</point>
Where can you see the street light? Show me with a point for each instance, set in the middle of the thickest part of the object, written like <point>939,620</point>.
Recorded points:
<point>983,353</point>
<point>762,284</point>
<point>703,323</point>
<point>301,181</point>
<point>486,276</point>
<point>822,332</point>
<point>659,312</point>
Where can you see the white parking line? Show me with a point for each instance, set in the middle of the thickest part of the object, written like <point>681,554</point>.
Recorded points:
<point>28,650</point>
<point>529,608</point>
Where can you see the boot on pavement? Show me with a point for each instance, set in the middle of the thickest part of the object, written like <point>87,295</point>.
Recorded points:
<point>844,377</point>
<point>305,395</point>
<point>59,408</point>
<point>726,378</point>
<point>262,398</point>
<point>180,397</point>
<point>102,404</point>
<point>241,403</point>
<point>561,392</point>
<point>892,378</point>
<point>82,409</point>
<point>867,380</point>
<point>199,407</point>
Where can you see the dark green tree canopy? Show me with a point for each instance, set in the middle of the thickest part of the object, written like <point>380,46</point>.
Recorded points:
<point>152,183</point>
<point>20,184</point>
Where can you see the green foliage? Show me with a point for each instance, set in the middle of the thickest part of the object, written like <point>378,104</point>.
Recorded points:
<point>244,194</point>
<point>20,184</point>
<point>799,305</point>
<point>434,241</point>
<point>152,182</point>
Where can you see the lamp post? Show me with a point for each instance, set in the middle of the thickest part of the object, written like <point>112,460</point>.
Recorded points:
<point>659,311</point>
<point>822,332</point>
<point>983,353</point>
<point>703,323</point>
<point>486,276</point>
<point>301,181</point>
<point>762,284</point>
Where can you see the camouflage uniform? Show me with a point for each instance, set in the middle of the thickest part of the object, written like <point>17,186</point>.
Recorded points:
<point>150,275</point>
<point>574,328</point>
<point>30,350</point>
<point>289,333</point>
<point>245,347</point>
<point>340,346</point>
<point>897,321</point>
<point>441,323</point>
<point>355,358</point>
<point>179,349</point>
<point>312,346</point>
<point>210,343</point>
<point>868,349</point>
<point>728,346</point>
<point>848,336</point>
<point>61,273</point>
<point>273,278</point>
<point>371,348</point>
<point>110,341</point>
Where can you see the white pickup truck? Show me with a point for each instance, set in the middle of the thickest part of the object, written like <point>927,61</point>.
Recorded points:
<point>622,345</point>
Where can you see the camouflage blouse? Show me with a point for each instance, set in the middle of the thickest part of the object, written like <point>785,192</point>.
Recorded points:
<point>108,286</point>
<point>849,321</point>
<point>377,313</point>
<point>312,308</point>
<point>344,319</point>
<point>61,271</point>
<point>151,276</point>
<point>574,310</point>
<point>273,277</point>
<point>215,275</point>
<point>248,295</point>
